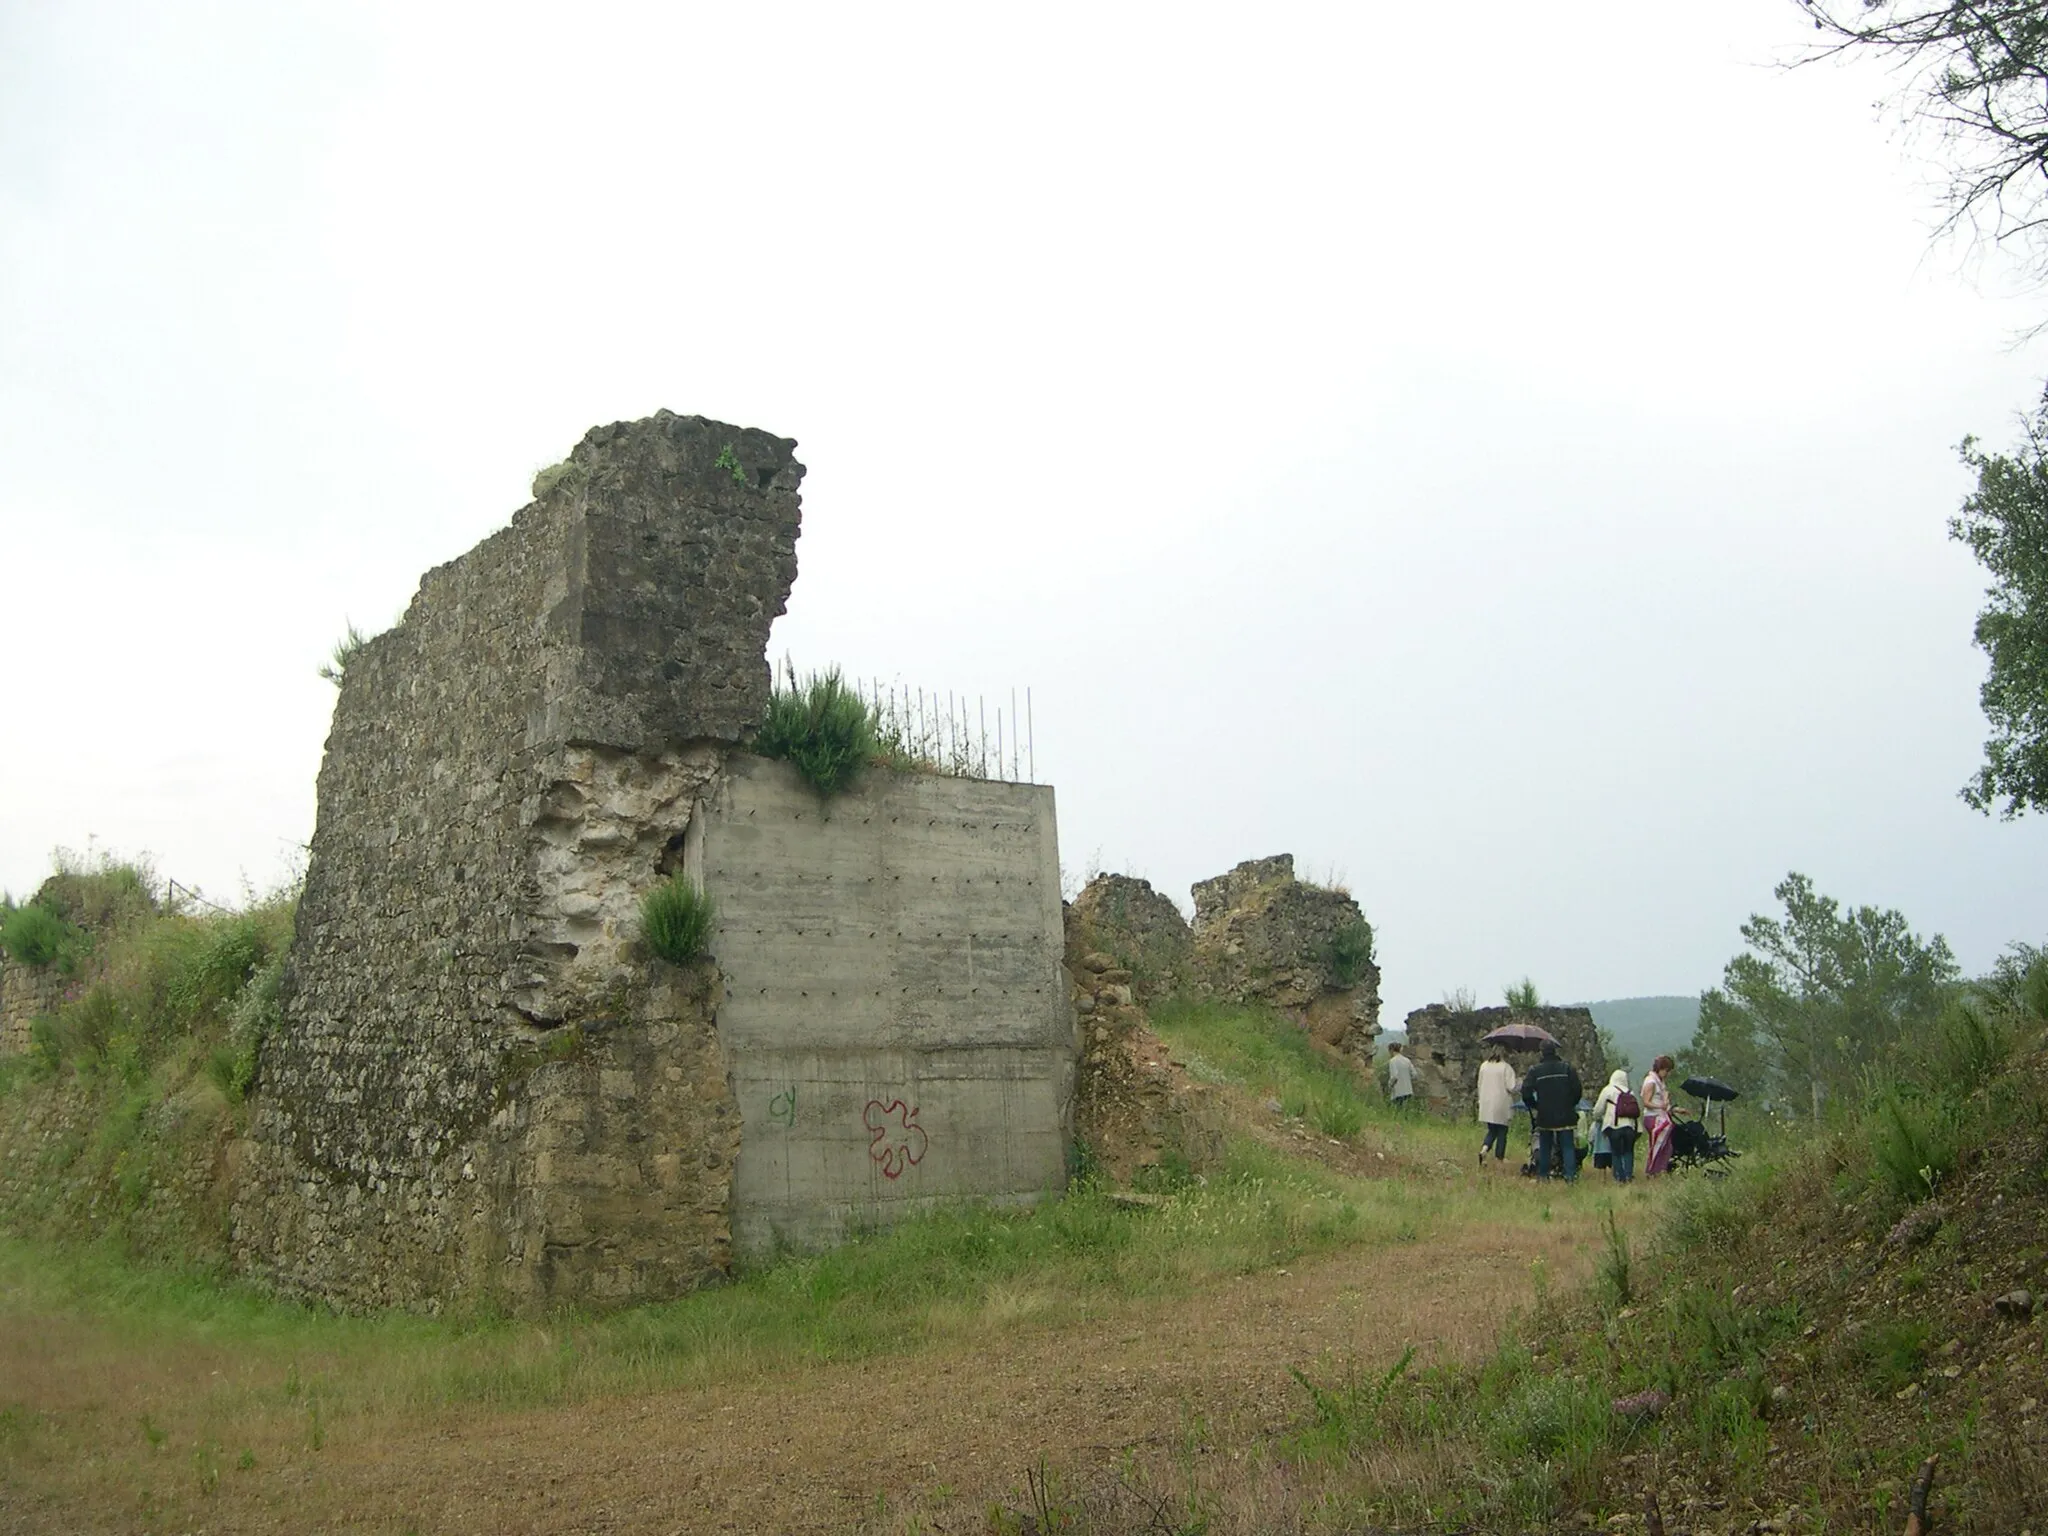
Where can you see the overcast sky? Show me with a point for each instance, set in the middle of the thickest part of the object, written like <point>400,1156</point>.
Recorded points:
<point>1502,459</point>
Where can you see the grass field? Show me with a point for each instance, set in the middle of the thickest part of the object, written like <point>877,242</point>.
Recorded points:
<point>134,1397</point>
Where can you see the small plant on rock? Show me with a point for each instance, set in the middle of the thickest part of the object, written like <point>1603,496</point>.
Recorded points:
<point>822,726</point>
<point>675,920</point>
<point>1350,952</point>
<point>1523,995</point>
<point>344,652</point>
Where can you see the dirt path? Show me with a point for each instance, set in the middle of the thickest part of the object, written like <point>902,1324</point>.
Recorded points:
<point>827,1448</point>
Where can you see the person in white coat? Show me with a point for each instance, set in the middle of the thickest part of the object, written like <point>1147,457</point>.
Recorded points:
<point>1497,1087</point>
<point>1619,1116</point>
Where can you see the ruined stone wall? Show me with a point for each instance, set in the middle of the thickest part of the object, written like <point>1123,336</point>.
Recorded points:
<point>28,993</point>
<point>1262,936</point>
<point>479,1087</point>
<point>1447,1050</point>
<point>1139,929</point>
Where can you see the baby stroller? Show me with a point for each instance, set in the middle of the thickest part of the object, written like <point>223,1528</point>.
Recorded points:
<point>1693,1142</point>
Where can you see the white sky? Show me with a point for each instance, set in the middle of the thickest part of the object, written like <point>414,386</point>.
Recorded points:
<point>1502,460</point>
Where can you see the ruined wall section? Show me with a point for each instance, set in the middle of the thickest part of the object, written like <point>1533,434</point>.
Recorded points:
<point>507,770</point>
<point>28,993</point>
<point>896,1013</point>
<point>1447,1046</point>
<point>1262,936</point>
<point>1139,929</point>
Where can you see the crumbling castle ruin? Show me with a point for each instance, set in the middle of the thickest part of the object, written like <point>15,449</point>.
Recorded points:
<point>1260,936</point>
<point>1447,1046</point>
<point>484,1088</point>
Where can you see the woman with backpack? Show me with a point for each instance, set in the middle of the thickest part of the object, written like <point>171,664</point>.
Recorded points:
<point>1620,1115</point>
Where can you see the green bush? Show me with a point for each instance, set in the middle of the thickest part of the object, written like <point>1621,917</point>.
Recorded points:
<point>1523,995</point>
<point>1916,1143</point>
<point>823,727</point>
<point>215,970</point>
<point>1971,1048</point>
<point>34,935</point>
<point>2034,991</point>
<point>675,920</point>
<point>1617,1264</point>
<point>1350,952</point>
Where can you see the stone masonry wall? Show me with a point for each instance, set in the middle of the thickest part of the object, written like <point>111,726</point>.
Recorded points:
<point>28,993</point>
<point>1446,1046</point>
<point>480,1088</point>
<point>1138,928</point>
<point>1262,936</point>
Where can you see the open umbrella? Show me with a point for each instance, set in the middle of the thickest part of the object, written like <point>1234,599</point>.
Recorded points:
<point>1519,1037</point>
<point>1709,1088</point>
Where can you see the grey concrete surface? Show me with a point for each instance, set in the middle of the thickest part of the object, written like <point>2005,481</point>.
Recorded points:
<point>895,1017</point>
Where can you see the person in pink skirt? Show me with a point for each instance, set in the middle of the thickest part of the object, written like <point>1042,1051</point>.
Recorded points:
<point>1656,1100</point>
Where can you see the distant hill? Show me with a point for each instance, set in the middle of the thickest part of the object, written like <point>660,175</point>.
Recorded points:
<point>1644,1027</point>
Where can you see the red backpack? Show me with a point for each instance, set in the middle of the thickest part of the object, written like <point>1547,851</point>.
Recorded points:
<point>1627,1106</point>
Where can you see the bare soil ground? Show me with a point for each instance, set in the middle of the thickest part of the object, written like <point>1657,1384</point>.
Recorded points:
<point>115,1433</point>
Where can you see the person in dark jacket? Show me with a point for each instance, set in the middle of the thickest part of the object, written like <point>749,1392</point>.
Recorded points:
<point>1552,1091</point>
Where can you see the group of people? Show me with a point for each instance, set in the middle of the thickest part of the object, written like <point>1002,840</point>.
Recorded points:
<point>1610,1127</point>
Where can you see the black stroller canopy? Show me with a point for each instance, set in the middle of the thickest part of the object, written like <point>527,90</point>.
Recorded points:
<point>1709,1088</point>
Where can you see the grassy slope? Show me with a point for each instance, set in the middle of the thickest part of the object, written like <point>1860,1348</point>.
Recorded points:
<point>954,1278</point>
<point>1811,1359</point>
<point>1820,1322</point>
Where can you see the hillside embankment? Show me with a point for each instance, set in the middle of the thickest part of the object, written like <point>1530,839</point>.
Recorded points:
<point>1268,1304</point>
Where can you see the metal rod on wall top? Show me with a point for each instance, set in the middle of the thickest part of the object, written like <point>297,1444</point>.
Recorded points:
<point>1031,734</point>
<point>1015,772</point>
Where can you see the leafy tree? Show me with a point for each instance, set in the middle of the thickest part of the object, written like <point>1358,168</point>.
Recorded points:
<point>2017,984</point>
<point>2005,523</point>
<point>1974,74</point>
<point>1818,994</point>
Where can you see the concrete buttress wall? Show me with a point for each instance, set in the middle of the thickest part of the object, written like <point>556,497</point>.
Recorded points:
<point>895,1016</point>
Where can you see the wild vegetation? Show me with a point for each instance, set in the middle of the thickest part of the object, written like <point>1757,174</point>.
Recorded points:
<point>1819,997</point>
<point>1350,952</point>
<point>1773,1343</point>
<point>142,1066</point>
<point>825,730</point>
<point>675,920</point>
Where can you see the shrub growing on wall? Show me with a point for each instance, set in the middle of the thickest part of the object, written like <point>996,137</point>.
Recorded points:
<point>823,727</point>
<point>1350,952</point>
<point>675,920</point>
<point>34,935</point>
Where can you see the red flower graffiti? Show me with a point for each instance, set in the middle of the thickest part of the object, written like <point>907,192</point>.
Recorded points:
<point>895,1139</point>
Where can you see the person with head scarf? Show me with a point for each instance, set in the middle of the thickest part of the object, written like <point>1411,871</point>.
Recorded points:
<point>1619,1120</point>
<point>1656,1099</point>
<point>1496,1103</point>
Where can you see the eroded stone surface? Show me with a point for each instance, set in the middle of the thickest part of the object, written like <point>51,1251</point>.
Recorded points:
<point>1140,928</point>
<point>1263,936</point>
<point>508,771</point>
<point>484,1092</point>
<point>1446,1046</point>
